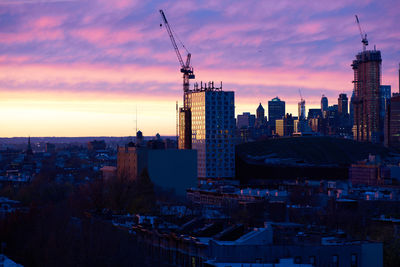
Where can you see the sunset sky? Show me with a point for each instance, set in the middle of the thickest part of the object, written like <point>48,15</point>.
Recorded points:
<point>83,68</point>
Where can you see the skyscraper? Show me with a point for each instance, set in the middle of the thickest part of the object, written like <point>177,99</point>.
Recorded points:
<point>385,94</point>
<point>367,102</point>
<point>212,113</point>
<point>352,109</point>
<point>276,110</point>
<point>302,109</point>
<point>343,104</point>
<point>245,120</point>
<point>324,104</point>
<point>285,126</point>
<point>392,122</point>
<point>260,112</point>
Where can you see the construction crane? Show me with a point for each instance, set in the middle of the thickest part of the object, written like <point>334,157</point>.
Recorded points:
<point>301,96</point>
<point>186,69</point>
<point>364,39</point>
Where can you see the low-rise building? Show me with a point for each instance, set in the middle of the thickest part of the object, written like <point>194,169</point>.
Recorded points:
<point>168,168</point>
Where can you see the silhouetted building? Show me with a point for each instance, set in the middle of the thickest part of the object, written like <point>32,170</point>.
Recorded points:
<point>392,123</point>
<point>301,127</point>
<point>276,110</point>
<point>315,124</point>
<point>108,172</point>
<point>324,104</point>
<point>139,138</point>
<point>50,148</point>
<point>29,151</point>
<point>96,145</point>
<point>344,124</point>
<point>367,101</point>
<point>130,161</point>
<point>343,104</point>
<point>314,113</point>
<point>385,94</point>
<point>168,168</point>
<point>302,109</point>
<point>260,112</point>
<point>156,143</point>
<point>369,172</point>
<point>246,120</point>
<point>285,126</point>
<point>352,109</point>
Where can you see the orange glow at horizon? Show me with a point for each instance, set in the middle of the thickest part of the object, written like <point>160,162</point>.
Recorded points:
<point>69,115</point>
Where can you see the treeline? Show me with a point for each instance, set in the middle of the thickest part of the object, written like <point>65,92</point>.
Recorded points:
<point>65,224</point>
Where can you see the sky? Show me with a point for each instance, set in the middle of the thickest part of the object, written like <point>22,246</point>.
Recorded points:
<point>103,68</point>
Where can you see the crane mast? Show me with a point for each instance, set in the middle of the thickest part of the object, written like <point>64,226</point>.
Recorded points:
<point>364,39</point>
<point>186,69</point>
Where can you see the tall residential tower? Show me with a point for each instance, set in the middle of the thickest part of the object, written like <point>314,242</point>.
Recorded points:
<point>212,121</point>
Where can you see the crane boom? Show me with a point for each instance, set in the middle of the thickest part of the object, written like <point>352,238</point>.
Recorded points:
<point>186,69</point>
<point>364,39</point>
<point>171,36</point>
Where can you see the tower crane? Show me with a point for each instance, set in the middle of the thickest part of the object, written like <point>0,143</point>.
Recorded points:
<point>364,39</point>
<point>301,96</point>
<point>186,69</point>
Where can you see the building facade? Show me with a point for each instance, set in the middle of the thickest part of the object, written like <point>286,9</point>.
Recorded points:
<point>302,109</point>
<point>213,128</point>
<point>385,92</point>
<point>367,98</point>
<point>392,123</point>
<point>285,126</point>
<point>343,104</point>
<point>168,168</point>
<point>260,112</point>
<point>324,104</point>
<point>276,110</point>
<point>246,120</point>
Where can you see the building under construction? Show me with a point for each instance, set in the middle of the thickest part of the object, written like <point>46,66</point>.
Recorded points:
<point>206,120</point>
<point>368,124</point>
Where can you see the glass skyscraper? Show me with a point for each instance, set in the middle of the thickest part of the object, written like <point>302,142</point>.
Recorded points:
<point>276,110</point>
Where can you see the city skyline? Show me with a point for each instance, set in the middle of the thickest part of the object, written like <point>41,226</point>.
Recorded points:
<point>73,68</point>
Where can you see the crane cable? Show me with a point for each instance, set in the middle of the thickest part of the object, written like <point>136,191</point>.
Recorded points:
<point>177,37</point>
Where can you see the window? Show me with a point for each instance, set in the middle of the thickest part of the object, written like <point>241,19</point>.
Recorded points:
<point>354,260</point>
<point>335,260</point>
<point>312,260</point>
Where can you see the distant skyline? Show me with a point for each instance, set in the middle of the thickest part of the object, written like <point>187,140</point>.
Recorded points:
<point>82,68</point>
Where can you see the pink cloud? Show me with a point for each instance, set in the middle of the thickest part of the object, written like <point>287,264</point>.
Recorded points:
<point>103,36</point>
<point>48,21</point>
<point>309,28</point>
<point>35,35</point>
